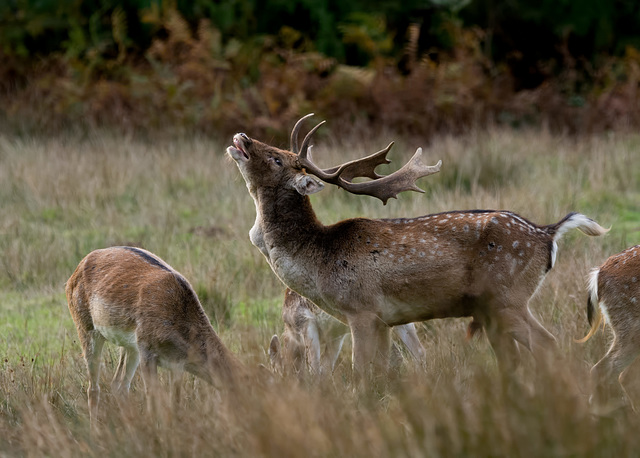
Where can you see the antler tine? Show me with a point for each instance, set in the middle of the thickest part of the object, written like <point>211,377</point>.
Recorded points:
<point>294,133</point>
<point>380,187</point>
<point>305,143</point>
<point>364,167</point>
<point>399,181</point>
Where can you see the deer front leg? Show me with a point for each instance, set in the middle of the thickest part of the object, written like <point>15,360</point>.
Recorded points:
<point>371,342</point>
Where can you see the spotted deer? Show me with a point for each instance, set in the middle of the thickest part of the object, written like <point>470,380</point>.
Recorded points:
<point>373,274</point>
<point>614,298</point>
<point>133,299</point>
<point>312,339</point>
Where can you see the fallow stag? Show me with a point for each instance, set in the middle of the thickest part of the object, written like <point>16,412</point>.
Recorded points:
<point>373,274</point>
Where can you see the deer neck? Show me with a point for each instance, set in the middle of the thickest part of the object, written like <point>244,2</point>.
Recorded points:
<point>285,231</point>
<point>212,361</point>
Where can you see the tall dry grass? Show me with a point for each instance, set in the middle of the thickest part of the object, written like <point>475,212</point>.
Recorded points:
<point>64,196</point>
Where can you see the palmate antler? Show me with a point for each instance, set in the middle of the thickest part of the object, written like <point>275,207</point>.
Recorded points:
<point>382,187</point>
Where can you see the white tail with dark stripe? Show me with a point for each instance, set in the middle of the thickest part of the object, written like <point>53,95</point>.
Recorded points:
<point>133,299</point>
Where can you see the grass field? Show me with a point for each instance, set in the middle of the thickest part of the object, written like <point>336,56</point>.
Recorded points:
<point>185,201</point>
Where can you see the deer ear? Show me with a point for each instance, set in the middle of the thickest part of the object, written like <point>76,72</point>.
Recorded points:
<point>275,355</point>
<point>274,346</point>
<point>306,185</point>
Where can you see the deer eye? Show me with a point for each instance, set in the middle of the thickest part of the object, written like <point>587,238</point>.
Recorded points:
<point>277,161</point>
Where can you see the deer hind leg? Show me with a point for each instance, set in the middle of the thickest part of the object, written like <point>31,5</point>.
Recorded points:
<point>615,362</point>
<point>333,348</point>
<point>518,324</point>
<point>92,343</point>
<point>627,374</point>
<point>529,332</point>
<point>127,365</point>
<point>371,342</point>
<point>116,383</point>
<point>504,346</point>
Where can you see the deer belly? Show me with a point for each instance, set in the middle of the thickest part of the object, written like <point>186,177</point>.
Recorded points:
<point>117,336</point>
<point>114,320</point>
<point>397,311</point>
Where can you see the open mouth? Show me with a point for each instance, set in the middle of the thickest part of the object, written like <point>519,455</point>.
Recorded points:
<point>238,151</point>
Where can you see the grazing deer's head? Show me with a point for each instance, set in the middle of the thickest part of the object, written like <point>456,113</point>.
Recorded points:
<point>313,338</point>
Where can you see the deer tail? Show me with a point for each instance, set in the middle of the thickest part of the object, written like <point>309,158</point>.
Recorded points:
<point>593,306</point>
<point>576,221</point>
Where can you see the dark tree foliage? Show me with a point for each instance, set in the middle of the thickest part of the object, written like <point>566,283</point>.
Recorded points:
<point>525,33</point>
<point>537,30</point>
<point>421,65</point>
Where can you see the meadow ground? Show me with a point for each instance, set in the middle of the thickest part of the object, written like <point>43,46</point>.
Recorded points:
<point>184,200</point>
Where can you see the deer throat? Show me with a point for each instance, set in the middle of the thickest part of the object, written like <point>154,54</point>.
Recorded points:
<point>285,231</point>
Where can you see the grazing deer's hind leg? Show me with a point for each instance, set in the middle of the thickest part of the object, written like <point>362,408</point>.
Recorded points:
<point>127,365</point>
<point>118,375</point>
<point>92,343</point>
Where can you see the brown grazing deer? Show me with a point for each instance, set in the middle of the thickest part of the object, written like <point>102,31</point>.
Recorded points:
<point>373,274</point>
<point>135,300</point>
<point>614,297</point>
<point>312,339</point>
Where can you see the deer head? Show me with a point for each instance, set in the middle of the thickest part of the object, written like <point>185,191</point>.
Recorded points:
<point>288,168</point>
